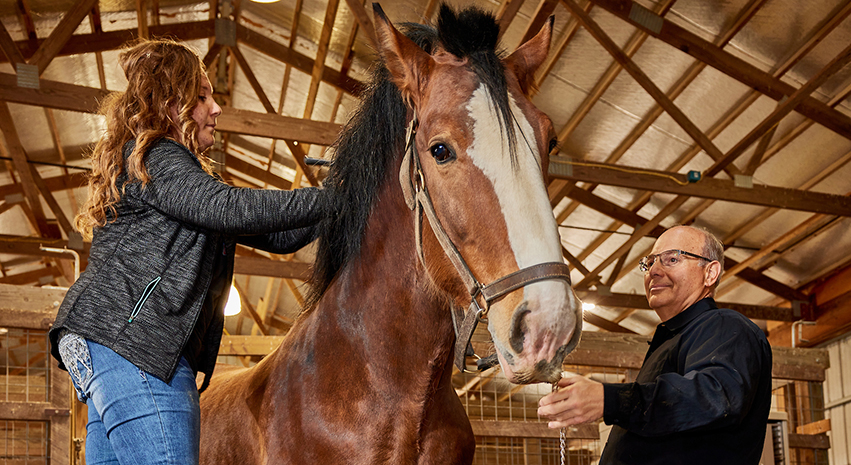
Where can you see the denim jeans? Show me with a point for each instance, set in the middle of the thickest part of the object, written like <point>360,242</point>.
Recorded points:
<point>134,417</point>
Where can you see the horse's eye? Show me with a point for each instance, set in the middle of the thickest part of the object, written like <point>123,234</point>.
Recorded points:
<point>553,145</point>
<point>442,153</point>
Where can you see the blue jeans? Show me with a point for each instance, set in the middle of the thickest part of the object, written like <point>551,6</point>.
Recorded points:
<point>134,417</point>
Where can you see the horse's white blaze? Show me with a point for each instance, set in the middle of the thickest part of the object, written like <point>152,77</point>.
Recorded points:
<point>532,230</point>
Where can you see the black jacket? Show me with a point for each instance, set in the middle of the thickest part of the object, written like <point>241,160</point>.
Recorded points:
<point>702,395</point>
<point>150,268</point>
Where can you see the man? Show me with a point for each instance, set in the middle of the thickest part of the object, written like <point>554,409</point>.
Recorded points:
<point>703,394</point>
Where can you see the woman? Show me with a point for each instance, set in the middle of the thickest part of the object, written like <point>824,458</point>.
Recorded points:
<point>147,314</point>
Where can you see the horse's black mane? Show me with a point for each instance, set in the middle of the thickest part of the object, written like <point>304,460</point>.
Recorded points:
<point>374,135</point>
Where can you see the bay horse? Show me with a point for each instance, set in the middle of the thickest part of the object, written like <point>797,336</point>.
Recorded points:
<point>438,184</point>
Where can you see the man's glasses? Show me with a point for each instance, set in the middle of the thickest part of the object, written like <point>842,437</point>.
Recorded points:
<point>668,259</point>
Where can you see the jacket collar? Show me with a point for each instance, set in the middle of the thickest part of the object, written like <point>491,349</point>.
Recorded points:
<point>680,320</point>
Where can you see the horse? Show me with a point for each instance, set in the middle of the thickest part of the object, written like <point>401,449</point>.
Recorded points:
<point>438,184</point>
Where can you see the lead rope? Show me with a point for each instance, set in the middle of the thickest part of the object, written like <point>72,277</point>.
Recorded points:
<point>561,434</point>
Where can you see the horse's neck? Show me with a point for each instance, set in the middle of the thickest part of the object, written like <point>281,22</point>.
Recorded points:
<point>402,322</point>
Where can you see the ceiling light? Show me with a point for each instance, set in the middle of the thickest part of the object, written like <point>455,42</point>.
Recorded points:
<point>587,306</point>
<point>265,1</point>
<point>234,304</point>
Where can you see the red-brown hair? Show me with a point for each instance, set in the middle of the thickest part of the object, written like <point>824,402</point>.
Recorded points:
<point>161,74</point>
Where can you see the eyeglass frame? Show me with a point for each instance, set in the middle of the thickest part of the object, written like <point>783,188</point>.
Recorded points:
<point>642,264</point>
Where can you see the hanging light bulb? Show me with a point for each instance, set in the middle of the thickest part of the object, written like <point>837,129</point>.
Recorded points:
<point>587,306</point>
<point>234,304</point>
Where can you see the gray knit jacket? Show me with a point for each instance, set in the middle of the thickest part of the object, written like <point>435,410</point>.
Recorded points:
<point>151,266</point>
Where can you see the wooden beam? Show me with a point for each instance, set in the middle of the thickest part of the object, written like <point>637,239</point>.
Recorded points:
<point>688,42</point>
<point>784,108</point>
<point>539,18</point>
<point>506,12</point>
<point>639,301</point>
<point>556,52</point>
<point>267,267</point>
<point>252,79</point>
<point>707,187</point>
<point>631,218</point>
<point>234,163</point>
<point>645,82</point>
<point>598,349</point>
<point>605,324</point>
<point>28,307</point>
<point>62,96</point>
<point>56,183</point>
<point>112,40</point>
<point>142,18</point>
<point>766,283</point>
<point>51,202</point>
<point>321,54</point>
<point>246,306</point>
<point>33,277</point>
<point>40,411</point>
<point>364,21</point>
<point>637,235</point>
<point>532,429</point>
<point>301,62</point>
<point>52,94</point>
<point>277,126</point>
<point>249,345</point>
<point>19,245</point>
<point>809,441</point>
<point>8,47</point>
<point>19,159</point>
<point>60,35</point>
<point>631,48</point>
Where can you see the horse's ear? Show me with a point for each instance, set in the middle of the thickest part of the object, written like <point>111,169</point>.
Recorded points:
<point>530,56</point>
<point>408,63</point>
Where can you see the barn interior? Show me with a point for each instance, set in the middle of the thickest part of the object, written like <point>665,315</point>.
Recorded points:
<point>732,115</point>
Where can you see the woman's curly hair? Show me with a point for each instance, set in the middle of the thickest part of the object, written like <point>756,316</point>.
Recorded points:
<point>161,74</point>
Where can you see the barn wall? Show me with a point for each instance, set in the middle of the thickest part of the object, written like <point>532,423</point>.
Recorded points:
<point>837,397</point>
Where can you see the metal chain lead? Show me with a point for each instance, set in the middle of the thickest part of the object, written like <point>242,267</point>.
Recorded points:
<point>561,434</point>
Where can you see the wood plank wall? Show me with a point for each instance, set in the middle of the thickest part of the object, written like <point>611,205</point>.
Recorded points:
<point>837,398</point>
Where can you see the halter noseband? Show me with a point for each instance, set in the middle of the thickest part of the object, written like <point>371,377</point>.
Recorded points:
<point>417,198</point>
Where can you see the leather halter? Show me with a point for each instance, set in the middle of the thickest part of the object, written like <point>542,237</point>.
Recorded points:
<point>417,198</point>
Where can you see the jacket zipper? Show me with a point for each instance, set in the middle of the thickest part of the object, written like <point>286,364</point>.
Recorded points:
<point>149,289</point>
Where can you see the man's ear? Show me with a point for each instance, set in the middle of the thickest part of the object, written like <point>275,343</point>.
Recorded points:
<point>711,273</point>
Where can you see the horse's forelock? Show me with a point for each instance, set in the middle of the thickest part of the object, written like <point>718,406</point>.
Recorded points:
<point>474,33</point>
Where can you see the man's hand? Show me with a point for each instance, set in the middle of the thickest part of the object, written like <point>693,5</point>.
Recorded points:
<point>578,400</point>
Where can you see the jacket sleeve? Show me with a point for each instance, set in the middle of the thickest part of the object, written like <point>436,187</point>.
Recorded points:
<point>722,365</point>
<point>281,242</point>
<point>181,189</point>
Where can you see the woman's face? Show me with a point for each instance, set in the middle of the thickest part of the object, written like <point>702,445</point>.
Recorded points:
<point>205,114</point>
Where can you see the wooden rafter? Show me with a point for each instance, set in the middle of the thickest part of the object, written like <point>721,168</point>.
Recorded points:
<point>539,18</point>
<point>645,82</point>
<point>252,79</point>
<point>506,12</point>
<point>60,35</point>
<point>738,69</point>
<point>19,159</point>
<point>630,49</point>
<point>321,54</point>
<point>363,21</point>
<point>8,47</point>
<point>555,53</point>
<point>709,188</point>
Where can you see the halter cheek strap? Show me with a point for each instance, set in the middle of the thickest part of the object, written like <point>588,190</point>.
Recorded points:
<point>417,198</point>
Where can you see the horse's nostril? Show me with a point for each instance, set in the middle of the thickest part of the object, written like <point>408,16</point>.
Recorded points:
<point>518,329</point>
